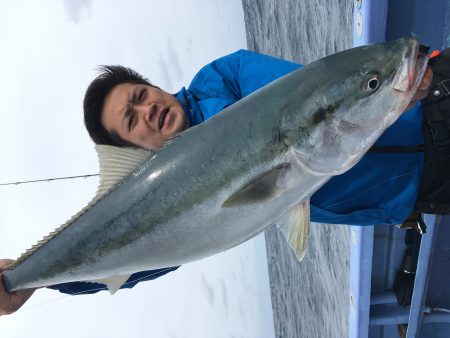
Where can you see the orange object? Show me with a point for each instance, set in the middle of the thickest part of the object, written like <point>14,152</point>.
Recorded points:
<point>435,53</point>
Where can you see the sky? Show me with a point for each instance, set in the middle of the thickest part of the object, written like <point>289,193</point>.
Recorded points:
<point>50,52</point>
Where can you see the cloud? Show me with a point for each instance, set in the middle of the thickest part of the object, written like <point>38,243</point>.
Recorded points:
<point>166,84</point>
<point>74,8</point>
<point>208,290</point>
<point>174,61</point>
<point>224,295</point>
<point>170,67</point>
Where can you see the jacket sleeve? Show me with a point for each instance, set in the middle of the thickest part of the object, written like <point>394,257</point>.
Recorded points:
<point>232,77</point>
<point>84,288</point>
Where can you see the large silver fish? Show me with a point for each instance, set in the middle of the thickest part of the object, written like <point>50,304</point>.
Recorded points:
<point>220,183</point>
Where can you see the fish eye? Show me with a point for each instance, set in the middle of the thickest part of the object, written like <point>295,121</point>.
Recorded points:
<point>373,83</point>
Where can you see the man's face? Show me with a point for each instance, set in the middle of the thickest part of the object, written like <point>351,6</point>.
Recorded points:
<point>142,115</point>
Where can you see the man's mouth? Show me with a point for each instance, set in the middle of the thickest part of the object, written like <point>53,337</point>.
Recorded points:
<point>163,118</point>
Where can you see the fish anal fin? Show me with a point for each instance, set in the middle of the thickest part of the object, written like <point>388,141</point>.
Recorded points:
<point>113,283</point>
<point>294,224</point>
<point>261,189</point>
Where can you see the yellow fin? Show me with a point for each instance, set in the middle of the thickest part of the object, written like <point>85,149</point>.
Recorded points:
<point>294,225</point>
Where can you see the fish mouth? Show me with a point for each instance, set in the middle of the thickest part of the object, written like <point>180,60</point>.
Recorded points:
<point>411,70</point>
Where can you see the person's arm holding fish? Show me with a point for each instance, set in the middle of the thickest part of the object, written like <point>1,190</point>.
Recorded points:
<point>11,302</point>
<point>176,114</point>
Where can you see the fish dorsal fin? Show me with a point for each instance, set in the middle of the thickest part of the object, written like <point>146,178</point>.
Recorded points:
<point>112,283</point>
<point>263,188</point>
<point>294,224</point>
<point>116,163</point>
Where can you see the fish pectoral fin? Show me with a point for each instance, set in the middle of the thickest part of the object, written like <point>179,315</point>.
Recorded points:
<point>294,225</point>
<point>113,283</point>
<point>116,163</point>
<point>265,187</point>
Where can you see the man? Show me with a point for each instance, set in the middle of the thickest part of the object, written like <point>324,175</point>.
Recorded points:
<point>122,108</point>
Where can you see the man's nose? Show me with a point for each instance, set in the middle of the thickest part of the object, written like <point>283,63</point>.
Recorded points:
<point>145,112</point>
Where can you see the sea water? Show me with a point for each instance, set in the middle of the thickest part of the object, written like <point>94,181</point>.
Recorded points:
<point>309,299</point>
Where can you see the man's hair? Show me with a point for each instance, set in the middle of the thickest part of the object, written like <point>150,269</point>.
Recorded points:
<point>94,99</point>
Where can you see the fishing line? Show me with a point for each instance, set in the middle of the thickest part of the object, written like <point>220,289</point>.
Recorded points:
<point>50,179</point>
<point>89,290</point>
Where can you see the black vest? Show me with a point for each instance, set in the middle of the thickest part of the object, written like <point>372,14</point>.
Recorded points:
<point>434,192</point>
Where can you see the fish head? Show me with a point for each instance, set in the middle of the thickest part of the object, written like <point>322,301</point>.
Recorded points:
<point>355,96</point>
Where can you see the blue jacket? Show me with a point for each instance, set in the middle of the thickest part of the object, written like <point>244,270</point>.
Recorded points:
<point>381,188</point>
